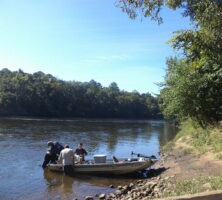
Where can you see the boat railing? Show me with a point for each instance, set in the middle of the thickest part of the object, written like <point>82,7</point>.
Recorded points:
<point>111,161</point>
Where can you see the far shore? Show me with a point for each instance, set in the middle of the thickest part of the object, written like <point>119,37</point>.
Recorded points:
<point>74,118</point>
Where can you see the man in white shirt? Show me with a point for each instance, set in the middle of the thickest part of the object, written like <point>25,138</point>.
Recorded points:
<point>66,158</point>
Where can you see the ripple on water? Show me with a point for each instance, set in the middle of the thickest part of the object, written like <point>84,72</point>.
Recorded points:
<point>23,144</point>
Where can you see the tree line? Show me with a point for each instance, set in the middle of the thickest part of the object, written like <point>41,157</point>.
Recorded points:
<point>43,95</point>
<point>193,81</point>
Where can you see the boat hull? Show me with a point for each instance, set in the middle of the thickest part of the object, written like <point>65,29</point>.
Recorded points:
<point>107,168</point>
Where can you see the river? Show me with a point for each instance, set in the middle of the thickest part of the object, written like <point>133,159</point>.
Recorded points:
<point>23,143</point>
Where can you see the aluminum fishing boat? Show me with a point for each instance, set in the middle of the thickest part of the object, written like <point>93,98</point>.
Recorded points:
<point>124,166</point>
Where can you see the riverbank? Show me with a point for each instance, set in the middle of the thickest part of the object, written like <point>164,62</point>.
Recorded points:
<point>184,168</point>
<point>174,175</point>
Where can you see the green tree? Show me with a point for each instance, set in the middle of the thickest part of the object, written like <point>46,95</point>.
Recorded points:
<point>42,95</point>
<point>192,86</point>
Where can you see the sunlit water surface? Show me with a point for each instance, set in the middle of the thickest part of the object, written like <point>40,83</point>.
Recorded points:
<point>23,145</point>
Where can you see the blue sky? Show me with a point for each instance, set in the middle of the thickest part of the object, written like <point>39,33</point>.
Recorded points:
<point>86,39</point>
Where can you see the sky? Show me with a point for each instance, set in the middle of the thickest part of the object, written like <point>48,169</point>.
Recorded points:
<point>83,40</point>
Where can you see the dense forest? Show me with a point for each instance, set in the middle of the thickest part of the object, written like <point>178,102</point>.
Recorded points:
<point>42,95</point>
<point>193,81</point>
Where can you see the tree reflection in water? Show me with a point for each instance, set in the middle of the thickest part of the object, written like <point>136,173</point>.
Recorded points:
<point>28,138</point>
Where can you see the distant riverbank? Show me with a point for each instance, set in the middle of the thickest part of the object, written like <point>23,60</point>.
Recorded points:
<point>43,95</point>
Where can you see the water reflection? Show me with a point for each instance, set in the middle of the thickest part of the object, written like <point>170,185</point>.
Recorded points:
<point>59,184</point>
<point>93,133</point>
<point>59,181</point>
<point>24,141</point>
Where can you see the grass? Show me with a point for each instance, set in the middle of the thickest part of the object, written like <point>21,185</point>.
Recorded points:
<point>201,140</point>
<point>187,150</point>
<point>192,186</point>
<point>168,147</point>
<point>194,139</point>
<point>219,156</point>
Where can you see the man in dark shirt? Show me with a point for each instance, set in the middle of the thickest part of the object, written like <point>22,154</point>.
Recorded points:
<point>52,154</point>
<point>81,152</point>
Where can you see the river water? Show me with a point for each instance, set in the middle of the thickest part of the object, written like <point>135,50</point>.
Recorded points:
<point>23,143</point>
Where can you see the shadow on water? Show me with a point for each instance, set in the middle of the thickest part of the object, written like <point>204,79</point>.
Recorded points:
<point>101,180</point>
<point>54,180</point>
<point>67,187</point>
<point>155,172</point>
<point>28,138</point>
<point>58,178</point>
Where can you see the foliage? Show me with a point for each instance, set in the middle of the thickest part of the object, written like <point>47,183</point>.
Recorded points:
<point>192,87</point>
<point>198,139</point>
<point>146,8</point>
<point>203,10</point>
<point>192,92</point>
<point>168,147</point>
<point>39,94</point>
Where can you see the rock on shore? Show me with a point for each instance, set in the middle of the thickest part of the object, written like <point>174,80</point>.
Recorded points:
<point>146,188</point>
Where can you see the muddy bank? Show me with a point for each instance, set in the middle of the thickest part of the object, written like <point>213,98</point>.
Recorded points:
<point>150,187</point>
<point>165,175</point>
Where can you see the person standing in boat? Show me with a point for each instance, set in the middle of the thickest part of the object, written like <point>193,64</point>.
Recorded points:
<point>53,152</point>
<point>66,158</point>
<point>81,152</point>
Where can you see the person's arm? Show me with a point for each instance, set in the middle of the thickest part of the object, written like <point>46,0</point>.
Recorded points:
<point>85,152</point>
<point>76,152</point>
<point>60,158</point>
